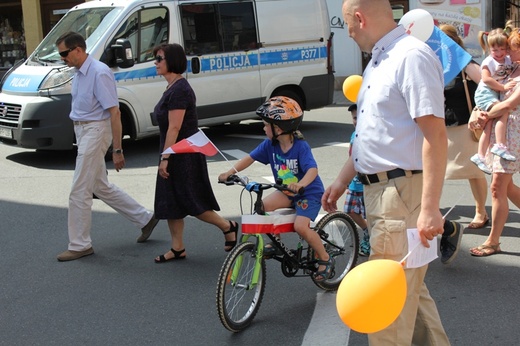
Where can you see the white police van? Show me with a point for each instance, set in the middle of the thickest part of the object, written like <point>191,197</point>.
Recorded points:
<point>240,52</point>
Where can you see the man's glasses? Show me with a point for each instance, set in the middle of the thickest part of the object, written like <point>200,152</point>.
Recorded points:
<point>159,58</point>
<point>65,53</point>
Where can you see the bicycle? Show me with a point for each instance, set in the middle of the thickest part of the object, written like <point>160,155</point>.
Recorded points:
<point>242,278</point>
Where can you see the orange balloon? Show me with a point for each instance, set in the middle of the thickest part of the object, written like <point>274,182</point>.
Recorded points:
<point>351,87</point>
<point>372,295</point>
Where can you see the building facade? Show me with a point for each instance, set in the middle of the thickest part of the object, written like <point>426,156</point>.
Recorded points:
<point>24,23</point>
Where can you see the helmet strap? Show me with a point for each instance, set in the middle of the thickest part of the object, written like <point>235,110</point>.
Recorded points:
<point>274,140</point>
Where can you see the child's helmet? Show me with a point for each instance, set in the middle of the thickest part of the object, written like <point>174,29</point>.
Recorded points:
<point>283,112</point>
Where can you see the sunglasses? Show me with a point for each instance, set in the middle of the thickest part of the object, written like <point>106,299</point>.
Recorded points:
<point>159,58</point>
<point>65,53</point>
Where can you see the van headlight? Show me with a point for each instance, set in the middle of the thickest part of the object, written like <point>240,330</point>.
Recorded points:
<point>58,77</point>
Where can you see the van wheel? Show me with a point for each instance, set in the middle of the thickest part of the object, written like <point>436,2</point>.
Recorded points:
<point>291,94</point>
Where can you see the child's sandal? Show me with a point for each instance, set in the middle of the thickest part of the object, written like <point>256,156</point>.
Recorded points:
<point>326,273</point>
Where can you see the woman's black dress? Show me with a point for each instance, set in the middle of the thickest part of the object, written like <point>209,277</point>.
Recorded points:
<point>187,191</point>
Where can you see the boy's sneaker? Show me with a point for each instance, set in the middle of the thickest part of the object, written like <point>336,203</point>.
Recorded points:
<point>480,164</point>
<point>450,245</point>
<point>364,247</point>
<point>501,150</point>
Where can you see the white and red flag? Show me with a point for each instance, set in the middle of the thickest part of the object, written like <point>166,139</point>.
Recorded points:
<point>197,143</point>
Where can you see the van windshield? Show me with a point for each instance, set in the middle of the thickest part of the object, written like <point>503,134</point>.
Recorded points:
<point>92,23</point>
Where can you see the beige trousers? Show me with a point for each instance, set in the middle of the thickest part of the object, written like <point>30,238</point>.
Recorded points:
<point>392,207</point>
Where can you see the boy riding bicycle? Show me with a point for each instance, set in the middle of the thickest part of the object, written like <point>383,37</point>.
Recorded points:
<point>292,161</point>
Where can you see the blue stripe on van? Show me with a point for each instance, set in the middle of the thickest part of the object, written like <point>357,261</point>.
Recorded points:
<point>136,74</point>
<point>239,61</point>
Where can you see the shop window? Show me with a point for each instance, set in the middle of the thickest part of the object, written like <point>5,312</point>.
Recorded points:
<point>218,28</point>
<point>145,30</point>
<point>12,40</point>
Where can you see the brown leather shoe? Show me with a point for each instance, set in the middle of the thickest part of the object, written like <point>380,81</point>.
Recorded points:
<point>71,255</point>
<point>147,230</point>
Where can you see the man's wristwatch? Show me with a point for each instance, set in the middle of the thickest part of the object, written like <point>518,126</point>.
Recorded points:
<point>118,151</point>
<point>164,158</point>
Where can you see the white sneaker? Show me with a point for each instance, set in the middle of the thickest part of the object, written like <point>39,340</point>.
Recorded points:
<point>502,151</point>
<point>480,164</point>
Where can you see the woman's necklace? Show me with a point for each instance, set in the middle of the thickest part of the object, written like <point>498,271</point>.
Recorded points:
<point>173,82</point>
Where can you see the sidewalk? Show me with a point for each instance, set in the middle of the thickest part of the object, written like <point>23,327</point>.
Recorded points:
<point>339,100</point>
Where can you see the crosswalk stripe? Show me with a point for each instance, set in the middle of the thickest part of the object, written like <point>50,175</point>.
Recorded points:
<point>337,144</point>
<point>261,137</point>
<point>236,153</point>
<point>325,327</point>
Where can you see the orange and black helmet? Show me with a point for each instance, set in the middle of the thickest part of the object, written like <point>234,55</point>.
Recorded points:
<point>283,112</point>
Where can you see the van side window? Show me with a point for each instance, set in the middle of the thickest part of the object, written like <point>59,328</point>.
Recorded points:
<point>145,29</point>
<point>218,28</point>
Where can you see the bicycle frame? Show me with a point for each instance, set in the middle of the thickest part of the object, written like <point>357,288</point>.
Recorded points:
<point>295,259</point>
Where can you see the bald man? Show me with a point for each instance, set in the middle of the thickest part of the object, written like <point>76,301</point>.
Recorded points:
<point>400,157</point>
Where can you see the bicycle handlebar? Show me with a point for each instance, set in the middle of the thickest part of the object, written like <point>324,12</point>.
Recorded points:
<point>257,187</point>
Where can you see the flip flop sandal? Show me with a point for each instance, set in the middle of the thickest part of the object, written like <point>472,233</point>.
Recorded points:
<point>476,225</point>
<point>485,250</point>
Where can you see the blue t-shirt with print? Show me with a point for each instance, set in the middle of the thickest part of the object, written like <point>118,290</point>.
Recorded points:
<point>290,166</point>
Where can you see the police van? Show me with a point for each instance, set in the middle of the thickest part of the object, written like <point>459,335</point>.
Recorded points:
<point>240,52</point>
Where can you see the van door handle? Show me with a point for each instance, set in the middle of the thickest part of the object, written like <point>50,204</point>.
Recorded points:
<point>195,65</point>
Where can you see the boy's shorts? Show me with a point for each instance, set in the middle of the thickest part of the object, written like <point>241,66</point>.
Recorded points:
<point>354,203</point>
<point>485,97</point>
<point>308,206</point>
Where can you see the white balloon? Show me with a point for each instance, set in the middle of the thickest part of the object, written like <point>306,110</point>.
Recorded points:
<point>418,23</point>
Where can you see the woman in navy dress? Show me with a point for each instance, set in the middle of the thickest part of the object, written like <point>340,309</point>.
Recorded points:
<point>183,187</point>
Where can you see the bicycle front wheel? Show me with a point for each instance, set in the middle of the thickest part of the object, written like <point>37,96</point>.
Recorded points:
<point>343,235</point>
<point>240,288</point>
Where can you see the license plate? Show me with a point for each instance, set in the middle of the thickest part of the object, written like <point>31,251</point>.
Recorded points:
<point>6,133</point>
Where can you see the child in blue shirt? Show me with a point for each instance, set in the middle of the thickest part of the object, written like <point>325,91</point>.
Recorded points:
<point>291,160</point>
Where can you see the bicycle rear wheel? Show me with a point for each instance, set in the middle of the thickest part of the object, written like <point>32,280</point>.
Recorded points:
<point>342,233</point>
<point>238,299</point>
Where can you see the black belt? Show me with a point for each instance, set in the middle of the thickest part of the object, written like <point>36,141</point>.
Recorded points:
<point>367,179</point>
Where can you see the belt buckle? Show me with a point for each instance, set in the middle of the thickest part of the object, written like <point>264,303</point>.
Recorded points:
<point>382,177</point>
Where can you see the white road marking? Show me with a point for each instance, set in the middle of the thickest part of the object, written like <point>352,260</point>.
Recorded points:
<point>326,328</point>
<point>337,144</point>
<point>260,137</point>
<point>236,153</point>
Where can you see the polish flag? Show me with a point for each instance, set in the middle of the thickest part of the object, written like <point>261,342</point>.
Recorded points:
<point>197,143</point>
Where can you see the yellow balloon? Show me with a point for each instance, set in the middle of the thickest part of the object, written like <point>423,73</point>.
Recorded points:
<point>351,87</point>
<point>372,295</point>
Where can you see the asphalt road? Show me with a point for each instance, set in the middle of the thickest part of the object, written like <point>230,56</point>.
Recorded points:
<point>119,296</point>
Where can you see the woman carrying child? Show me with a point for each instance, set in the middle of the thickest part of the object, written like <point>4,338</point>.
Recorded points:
<point>495,69</point>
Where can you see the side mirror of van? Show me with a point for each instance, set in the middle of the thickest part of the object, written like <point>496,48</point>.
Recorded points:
<point>124,57</point>
<point>195,65</point>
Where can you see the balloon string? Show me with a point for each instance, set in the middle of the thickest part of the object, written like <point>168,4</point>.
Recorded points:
<point>409,253</point>
<point>416,245</point>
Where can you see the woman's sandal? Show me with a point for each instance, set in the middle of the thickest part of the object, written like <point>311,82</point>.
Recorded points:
<point>325,274</point>
<point>476,225</point>
<point>485,250</point>
<point>176,256</point>
<point>230,244</point>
